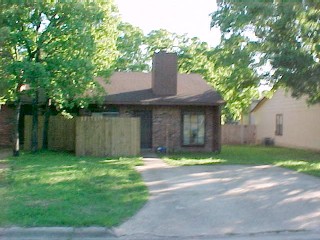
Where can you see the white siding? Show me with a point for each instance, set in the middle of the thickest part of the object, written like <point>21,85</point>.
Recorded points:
<point>301,123</point>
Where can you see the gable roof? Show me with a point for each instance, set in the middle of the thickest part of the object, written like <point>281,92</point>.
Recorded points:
<point>134,88</point>
<point>260,103</point>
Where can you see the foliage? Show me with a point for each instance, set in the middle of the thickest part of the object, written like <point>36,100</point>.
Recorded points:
<point>136,49</point>
<point>54,49</point>
<point>234,77</point>
<point>236,84</point>
<point>299,160</point>
<point>130,44</point>
<point>281,34</point>
<point>57,47</point>
<point>161,40</point>
<point>195,56</point>
<point>58,189</point>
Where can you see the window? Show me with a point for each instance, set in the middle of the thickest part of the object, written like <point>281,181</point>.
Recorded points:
<point>107,111</point>
<point>193,128</point>
<point>279,124</point>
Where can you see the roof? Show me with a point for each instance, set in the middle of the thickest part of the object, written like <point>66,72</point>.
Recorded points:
<point>258,104</point>
<point>134,88</point>
<point>264,99</point>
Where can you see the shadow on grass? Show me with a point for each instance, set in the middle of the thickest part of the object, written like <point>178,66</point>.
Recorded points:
<point>299,160</point>
<point>59,189</point>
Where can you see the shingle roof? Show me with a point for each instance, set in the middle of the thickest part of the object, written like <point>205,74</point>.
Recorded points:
<point>135,88</point>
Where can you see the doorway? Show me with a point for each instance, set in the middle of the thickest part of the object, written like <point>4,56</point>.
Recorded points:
<point>146,127</point>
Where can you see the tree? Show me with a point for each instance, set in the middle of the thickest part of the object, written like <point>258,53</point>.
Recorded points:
<point>236,84</point>
<point>132,53</point>
<point>194,56</point>
<point>228,75</point>
<point>282,34</point>
<point>234,77</point>
<point>161,40</point>
<point>136,49</point>
<point>57,48</point>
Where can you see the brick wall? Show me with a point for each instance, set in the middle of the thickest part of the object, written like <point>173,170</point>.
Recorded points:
<point>216,121</point>
<point>6,125</point>
<point>166,126</point>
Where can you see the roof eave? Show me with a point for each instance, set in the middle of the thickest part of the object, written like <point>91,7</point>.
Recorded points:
<point>150,103</point>
<point>259,104</point>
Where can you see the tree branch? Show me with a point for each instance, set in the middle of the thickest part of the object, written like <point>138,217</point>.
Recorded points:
<point>30,53</point>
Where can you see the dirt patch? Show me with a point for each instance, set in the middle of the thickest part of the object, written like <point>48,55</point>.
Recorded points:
<point>4,153</point>
<point>3,166</point>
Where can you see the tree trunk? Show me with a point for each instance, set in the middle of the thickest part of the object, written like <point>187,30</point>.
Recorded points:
<point>16,136</point>
<point>34,139</point>
<point>46,126</point>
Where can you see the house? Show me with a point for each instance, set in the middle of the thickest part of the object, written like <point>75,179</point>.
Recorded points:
<point>180,112</point>
<point>6,125</point>
<point>289,122</point>
<point>247,117</point>
<point>8,115</point>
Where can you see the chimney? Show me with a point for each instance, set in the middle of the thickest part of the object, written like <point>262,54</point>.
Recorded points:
<point>164,74</point>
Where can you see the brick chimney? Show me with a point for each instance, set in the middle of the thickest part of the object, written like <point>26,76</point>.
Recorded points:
<point>164,74</point>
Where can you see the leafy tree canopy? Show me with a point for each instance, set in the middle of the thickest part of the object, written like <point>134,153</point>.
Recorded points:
<point>283,35</point>
<point>132,53</point>
<point>58,47</point>
<point>231,77</point>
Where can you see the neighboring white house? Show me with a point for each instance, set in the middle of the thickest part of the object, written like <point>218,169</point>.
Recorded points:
<point>289,122</point>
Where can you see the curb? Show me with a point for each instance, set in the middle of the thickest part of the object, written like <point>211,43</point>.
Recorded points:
<point>56,233</point>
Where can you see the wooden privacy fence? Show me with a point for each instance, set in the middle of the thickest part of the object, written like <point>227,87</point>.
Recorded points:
<point>61,133</point>
<point>101,136</point>
<point>89,136</point>
<point>238,134</point>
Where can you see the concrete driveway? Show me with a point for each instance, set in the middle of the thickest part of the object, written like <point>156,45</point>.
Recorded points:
<point>205,202</point>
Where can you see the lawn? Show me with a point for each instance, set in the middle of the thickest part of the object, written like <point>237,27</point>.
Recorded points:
<point>300,160</point>
<point>59,189</point>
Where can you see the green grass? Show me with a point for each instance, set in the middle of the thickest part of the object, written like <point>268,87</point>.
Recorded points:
<point>300,160</point>
<point>59,189</point>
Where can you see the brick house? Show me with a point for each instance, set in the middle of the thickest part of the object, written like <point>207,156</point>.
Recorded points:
<point>6,125</point>
<point>7,119</point>
<point>178,111</point>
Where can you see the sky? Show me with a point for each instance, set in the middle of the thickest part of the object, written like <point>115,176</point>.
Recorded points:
<point>177,16</point>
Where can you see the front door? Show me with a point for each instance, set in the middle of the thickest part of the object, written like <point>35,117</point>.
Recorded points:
<point>146,127</point>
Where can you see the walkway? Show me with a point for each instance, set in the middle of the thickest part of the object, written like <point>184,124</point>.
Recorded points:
<point>211,201</point>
